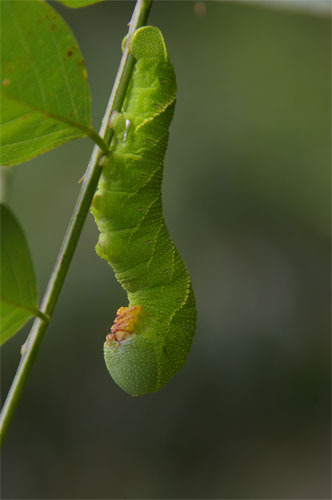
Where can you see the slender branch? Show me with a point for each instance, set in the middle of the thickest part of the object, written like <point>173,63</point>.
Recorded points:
<point>36,335</point>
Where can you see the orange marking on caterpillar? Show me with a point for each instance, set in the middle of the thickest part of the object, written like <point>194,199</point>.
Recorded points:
<point>124,323</point>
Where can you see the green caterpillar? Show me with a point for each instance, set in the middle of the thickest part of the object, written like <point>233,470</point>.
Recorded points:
<point>151,338</point>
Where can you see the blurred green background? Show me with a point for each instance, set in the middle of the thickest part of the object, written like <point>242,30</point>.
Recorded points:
<point>246,194</point>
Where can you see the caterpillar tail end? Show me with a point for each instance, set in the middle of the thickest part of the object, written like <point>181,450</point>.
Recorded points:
<point>131,358</point>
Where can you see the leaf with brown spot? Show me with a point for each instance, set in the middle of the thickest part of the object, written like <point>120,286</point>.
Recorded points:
<point>39,62</point>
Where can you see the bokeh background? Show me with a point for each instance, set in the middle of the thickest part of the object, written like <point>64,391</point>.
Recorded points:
<point>246,194</point>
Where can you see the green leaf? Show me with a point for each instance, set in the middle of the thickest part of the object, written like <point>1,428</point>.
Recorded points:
<point>19,293</point>
<point>79,3</point>
<point>44,87</point>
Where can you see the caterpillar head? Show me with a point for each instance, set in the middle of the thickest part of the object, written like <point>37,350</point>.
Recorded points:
<point>147,41</point>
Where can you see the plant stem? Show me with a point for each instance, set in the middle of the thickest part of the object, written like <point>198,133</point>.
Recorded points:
<point>91,177</point>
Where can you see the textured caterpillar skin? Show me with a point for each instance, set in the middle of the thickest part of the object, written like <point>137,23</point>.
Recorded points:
<point>150,340</point>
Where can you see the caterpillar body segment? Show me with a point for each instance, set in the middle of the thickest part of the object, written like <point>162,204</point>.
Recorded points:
<point>151,338</point>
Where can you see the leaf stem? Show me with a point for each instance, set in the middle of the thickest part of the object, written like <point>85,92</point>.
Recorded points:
<point>39,327</point>
<point>97,139</point>
<point>89,131</point>
<point>32,310</point>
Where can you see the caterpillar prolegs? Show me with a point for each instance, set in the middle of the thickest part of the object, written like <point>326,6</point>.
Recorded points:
<point>151,338</point>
